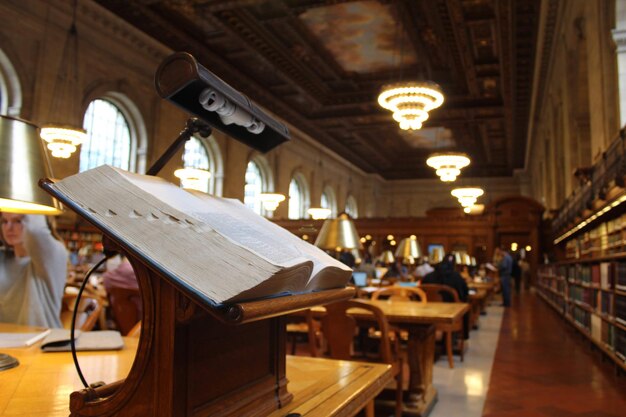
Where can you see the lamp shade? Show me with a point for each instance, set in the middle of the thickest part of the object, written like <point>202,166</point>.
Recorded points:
<point>387,257</point>
<point>409,247</point>
<point>338,234</point>
<point>22,164</point>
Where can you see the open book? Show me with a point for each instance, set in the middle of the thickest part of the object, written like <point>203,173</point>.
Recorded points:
<point>214,247</point>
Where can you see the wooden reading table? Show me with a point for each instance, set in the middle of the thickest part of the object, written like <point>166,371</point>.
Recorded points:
<point>478,300</point>
<point>41,385</point>
<point>419,320</point>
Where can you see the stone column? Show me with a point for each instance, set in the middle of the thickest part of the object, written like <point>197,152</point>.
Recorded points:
<point>619,36</point>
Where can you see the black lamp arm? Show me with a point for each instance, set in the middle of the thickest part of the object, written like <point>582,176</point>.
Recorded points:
<point>193,126</point>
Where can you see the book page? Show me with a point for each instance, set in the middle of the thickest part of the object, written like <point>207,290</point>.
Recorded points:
<point>215,247</point>
<point>239,214</point>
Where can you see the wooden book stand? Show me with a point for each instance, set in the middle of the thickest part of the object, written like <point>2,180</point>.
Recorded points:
<point>194,360</point>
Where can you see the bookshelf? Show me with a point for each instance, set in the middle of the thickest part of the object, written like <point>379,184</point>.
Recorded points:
<point>588,287</point>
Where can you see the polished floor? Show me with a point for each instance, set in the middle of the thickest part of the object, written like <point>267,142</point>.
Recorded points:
<point>462,390</point>
<point>544,367</point>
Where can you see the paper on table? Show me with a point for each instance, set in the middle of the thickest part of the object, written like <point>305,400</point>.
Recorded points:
<point>17,340</point>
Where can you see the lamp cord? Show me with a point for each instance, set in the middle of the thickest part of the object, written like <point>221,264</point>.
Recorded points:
<point>72,339</point>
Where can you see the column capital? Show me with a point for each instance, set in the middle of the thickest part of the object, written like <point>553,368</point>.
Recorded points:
<point>619,37</point>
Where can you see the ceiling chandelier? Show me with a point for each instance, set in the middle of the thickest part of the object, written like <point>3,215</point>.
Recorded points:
<point>410,102</point>
<point>271,201</point>
<point>448,165</point>
<point>467,196</point>
<point>319,213</point>
<point>193,178</point>
<point>63,138</point>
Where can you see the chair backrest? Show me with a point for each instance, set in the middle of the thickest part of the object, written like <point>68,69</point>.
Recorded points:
<point>126,307</point>
<point>89,310</point>
<point>439,292</point>
<point>339,329</point>
<point>397,293</point>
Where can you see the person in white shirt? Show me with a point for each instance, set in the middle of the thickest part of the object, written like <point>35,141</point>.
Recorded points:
<point>423,269</point>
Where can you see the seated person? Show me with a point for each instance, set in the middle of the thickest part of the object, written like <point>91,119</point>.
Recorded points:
<point>423,268</point>
<point>445,274</point>
<point>33,272</point>
<point>123,276</point>
<point>398,271</point>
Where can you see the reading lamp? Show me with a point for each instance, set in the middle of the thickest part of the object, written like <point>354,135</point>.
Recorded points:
<point>387,257</point>
<point>22,163</point>
<point>183,81</point>
<point>409,247</point>
<point>337,234</point>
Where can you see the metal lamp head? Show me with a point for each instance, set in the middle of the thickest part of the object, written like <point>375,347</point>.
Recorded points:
<point>22,164</point>
<point>409,247</point>
<point>338,234</point>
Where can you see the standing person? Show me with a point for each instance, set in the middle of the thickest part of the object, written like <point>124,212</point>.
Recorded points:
<point>33,272</point>
<point>524,266</point>
<point>516,273</point>
<point>505,268</point>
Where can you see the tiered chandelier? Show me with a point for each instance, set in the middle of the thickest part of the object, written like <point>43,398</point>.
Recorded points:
<point>448,165</point>
<point>271,201</point>
<point>62,140</point>
<point>319,213</point>
<point>193,178</point>
<point>410,102</point>
<point>467,196</point>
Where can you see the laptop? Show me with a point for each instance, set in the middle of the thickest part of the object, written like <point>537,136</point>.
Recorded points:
<point>359,278</point>
<point>381,271</point>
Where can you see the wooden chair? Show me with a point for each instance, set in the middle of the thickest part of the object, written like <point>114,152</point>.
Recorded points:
<point>89,310</point>
<point>124,304</point>
<point>437,292</point>
<point>296,327</point>
<point>339,329</point>
<point>135,331</point>
<point>397,293</point>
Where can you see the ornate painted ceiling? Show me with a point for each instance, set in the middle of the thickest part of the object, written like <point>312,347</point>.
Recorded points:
<point>320,65</point>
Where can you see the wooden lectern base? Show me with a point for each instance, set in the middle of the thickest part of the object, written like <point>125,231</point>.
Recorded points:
<point>193,361</point>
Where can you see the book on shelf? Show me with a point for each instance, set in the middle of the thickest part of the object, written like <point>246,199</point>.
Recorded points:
<point>215,248</point>
<point>605,275</point>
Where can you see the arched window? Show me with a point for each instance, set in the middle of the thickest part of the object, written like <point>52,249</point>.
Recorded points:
<point>298,197</point>
<point>108,137</point>
<point>351,207</point>
<point>196,156</point>
<point>253,187</point>
<point>328,201</point>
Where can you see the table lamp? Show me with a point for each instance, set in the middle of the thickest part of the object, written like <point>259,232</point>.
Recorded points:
<point>409,247</point>
<point>22,163</point>
<point>387,257</point>
<point>338,234</point>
